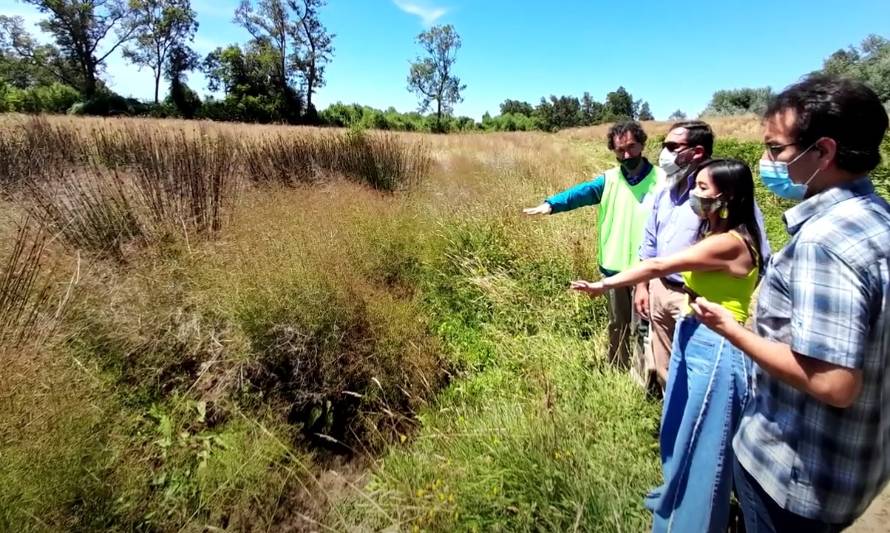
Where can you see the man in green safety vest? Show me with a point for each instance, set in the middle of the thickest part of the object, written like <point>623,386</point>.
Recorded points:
<point>624,195</point>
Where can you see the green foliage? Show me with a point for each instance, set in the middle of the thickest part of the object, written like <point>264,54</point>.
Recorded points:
<point>182,100</point>
<point>738,102</point>
<point>535,411</point>
<point>559,113</point>
<point>592,112</point>
<point>315,50</point>
<point>869,63</point>
<point>24,62</point>
<point>355,115</point>
<point>250,80</point>
<point>510,122</point>
<point>881,175</point>
<point>4,97</point>
<point>497,447</point>
<point>54,98</point>
<point>515,107</point>
<point>772,206</point>
<point>161,27</point>
<point>82,27</point>
<point>619,106</point>
<point>108,103</point>
<point>432,77</point>
<point>677,115</point>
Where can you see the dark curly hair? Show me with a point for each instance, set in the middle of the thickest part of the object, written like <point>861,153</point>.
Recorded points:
<point>620,128</point>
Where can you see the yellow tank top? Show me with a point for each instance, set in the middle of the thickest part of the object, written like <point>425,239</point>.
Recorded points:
<point>732,292</point>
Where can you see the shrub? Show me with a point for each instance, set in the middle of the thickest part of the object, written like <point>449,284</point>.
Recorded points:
<point>119,185</point>
<point>186,179</point>
<point>881,175</point>
<point>55,98</point>
<point>109,104</point>
<point>383,161</point>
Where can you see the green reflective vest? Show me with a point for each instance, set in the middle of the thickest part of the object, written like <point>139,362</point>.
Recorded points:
<point>622,215</point>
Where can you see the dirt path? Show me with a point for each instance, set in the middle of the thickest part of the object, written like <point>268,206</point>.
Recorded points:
<point>877,518</point>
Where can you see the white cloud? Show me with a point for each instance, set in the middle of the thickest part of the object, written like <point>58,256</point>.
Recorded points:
<point>428,14</point>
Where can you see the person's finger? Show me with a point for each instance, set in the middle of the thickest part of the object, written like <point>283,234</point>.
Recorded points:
<point>643,308</point>
<point>701,307</point>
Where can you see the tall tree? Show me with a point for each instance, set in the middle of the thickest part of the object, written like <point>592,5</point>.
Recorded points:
<point>161,26</point>
<point>677,115</point>
<point>182,59</point>
<point>619,105</point>
<point>86,32</point>
<point>432,77</point>
<point>249,77</point>
<point>516,107</point>
<point>644,113</point>
<point>24,62</point>
<point>591,110</point>
<point>869,63</point>
<point>247,72</point>
<point>738,102</point>
<point>273,22</point>
<point>314,48</point>
<point>566,111</point>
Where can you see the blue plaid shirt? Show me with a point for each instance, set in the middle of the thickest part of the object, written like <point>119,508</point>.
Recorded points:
<point>826,295</point>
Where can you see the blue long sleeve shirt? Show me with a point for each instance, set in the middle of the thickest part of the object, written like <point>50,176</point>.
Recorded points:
<point>591,193</point>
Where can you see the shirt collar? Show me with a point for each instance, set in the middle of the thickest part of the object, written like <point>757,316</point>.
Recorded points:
<point>640,174</point>
<point>798,215</point>
<point>678,195</point>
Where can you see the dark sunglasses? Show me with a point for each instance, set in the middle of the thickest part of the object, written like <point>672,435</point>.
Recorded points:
<point>673,147</point>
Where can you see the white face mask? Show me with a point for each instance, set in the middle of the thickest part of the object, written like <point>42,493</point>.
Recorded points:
<point>667,160</point>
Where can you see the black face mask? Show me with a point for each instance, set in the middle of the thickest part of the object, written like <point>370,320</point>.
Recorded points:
<point>631,163</point>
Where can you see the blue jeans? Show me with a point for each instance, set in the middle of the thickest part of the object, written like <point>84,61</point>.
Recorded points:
<point>763,515</point>
<point>706,391</point>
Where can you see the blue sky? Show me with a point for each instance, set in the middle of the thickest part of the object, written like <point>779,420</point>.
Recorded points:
<point>672,54</point>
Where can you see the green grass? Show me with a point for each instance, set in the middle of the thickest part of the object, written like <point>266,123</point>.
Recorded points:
<point>536,432</point>
<point>421,343</point>
<point>550,441</point>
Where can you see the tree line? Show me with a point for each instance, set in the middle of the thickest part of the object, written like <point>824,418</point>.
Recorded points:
<point>275,75</point>
<point>271,78</point>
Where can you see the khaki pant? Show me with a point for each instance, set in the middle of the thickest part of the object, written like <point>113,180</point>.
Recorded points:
<point>666,303</point>
<point>624,328</point>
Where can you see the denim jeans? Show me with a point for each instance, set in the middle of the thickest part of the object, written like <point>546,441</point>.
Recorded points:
<point>708,384</point>
<point>763,515</point>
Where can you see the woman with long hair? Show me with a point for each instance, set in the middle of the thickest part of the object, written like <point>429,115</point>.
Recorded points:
<point>708,380</point>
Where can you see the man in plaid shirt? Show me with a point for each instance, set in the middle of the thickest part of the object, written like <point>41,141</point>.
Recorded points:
<point>813,446</point>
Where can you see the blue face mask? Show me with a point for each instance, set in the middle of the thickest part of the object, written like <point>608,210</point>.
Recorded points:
<point>776,178</point>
